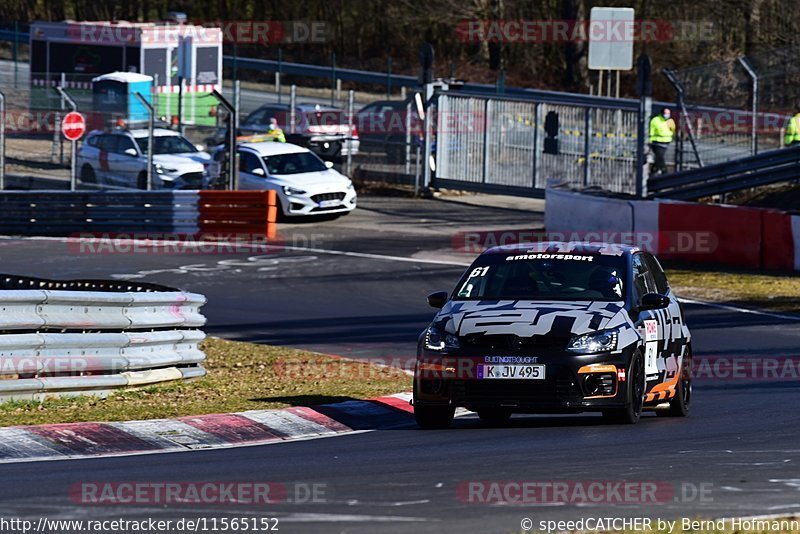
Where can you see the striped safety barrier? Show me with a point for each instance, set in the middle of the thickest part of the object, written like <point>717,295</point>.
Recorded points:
<point>69,213</point>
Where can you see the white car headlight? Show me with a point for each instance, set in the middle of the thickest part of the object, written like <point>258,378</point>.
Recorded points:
<point>602,341</point>
<point>350,185</point>
<point>288,190</point>
<point>435,339</point>
<point>160,169</point>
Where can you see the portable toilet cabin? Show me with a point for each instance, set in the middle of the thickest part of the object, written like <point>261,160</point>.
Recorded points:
<point>114,98</point>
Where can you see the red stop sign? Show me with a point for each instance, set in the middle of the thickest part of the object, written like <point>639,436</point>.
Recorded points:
<point>73,126</point>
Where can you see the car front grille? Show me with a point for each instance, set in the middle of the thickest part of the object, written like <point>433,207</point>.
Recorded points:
<point>193,178</point>
<point>549,392</point>
<point>327,196</point>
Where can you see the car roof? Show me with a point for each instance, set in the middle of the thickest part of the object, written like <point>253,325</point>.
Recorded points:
<point>301,107</point>
<point>273,148</point>
<point>158,132</point>
<point>585,247</point>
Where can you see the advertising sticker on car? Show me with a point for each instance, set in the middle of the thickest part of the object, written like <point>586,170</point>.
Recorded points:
<point>511,372</point>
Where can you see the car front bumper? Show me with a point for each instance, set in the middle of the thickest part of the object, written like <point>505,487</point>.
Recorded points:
<point>572,383</point>
<point>313,203</point>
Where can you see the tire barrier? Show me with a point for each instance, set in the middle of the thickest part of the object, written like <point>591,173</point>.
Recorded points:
<point>90,336</point>
<point>158,213</point>
<point>753,238</point>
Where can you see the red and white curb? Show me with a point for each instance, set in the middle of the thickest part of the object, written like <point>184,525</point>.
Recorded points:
<point>258,427</point>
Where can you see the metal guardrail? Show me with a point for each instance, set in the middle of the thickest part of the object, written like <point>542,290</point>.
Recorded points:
<point>762,169</point>
<point>55,341</point>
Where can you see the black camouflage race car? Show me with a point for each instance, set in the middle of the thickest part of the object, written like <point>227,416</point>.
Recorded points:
<point>555,328</point>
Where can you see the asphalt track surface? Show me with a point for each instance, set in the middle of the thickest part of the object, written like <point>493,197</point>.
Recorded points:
<point>739,445</point>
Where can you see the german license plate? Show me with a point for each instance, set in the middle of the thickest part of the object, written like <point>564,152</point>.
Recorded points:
<point>328,203</point>
<point>511,372</point>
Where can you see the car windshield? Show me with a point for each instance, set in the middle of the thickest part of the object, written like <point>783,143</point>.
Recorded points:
<point>544,276</point>
<point>167,144</point>
<point>294,163</point>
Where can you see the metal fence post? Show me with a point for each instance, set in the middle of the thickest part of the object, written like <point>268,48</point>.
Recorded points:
<point>2,141</point>
<point>751,71</point>
<point>237,95</point>
<point>587,147</point>
<point>351,96</point>
<point>151,114</point>
<point>389,78</point>
<point>232,127</point>
<point>642,121</point>
<point>58,118</point>
<point>154,98</point>
<point>292,110</point>
<point>73,172</point>
<point>333,78</point>
<point>408,137</point>
<point>278,74</point>
<point>537,120</point>
<point>487,109</point>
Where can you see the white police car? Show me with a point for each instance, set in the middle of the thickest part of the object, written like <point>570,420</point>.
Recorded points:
<point>118,158</point>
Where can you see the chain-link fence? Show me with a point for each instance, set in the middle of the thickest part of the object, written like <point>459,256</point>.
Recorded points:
<point>484,141</point>
<point>737,107</point>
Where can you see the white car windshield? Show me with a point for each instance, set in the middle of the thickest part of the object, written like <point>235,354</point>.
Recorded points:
<point>167,144</point>
<point>295,163</point>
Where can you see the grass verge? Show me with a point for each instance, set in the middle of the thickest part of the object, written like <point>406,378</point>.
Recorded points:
<point>241,376</point>
<point>775,291</point>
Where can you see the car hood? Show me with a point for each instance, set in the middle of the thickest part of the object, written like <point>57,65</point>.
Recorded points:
<point>321,179</point>
<point>180,161</point>
<point>525,318</point>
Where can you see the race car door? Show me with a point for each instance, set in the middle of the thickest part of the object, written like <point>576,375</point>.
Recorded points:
<point>653,326</point>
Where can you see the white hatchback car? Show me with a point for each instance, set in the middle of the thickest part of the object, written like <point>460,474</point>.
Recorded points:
<point>305,184</point>
<point>118,158</point>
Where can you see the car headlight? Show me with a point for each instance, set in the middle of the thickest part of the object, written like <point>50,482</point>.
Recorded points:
<point>350,185</point>
<point>602,341</point>
<point>160,169</point>
<point>288,190</point>
<point>435,339</point>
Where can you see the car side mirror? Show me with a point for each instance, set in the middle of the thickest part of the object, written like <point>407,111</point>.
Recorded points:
<point>653,301</point>
<point>131,152</point>
<point>199,147</point>
<point>258,172</point>
<point>438,299</point>
<point>329,164</point>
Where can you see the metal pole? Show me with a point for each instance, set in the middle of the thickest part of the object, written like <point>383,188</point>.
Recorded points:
<point>487,110</point>
<point>73,171</point>
<point>642,172</point>
<point>151,119</point>
<point>233,123</point>
<point>587,147</point>
<point>617,87</point>
<point>237,99</point>
<point>351,97</point>
<point>408,137</point>
<point>292,110</point>
<point>389,78</point>
<point>426,163</point>
<point>58,118</point>
<point>2,141</point>
<point>278,74</point>
<point>14,53</point>
<point>333,78</point>
<point>155,92</point>
<point>754,105</point>
<point>180,104</point>
<point>537,120</point>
